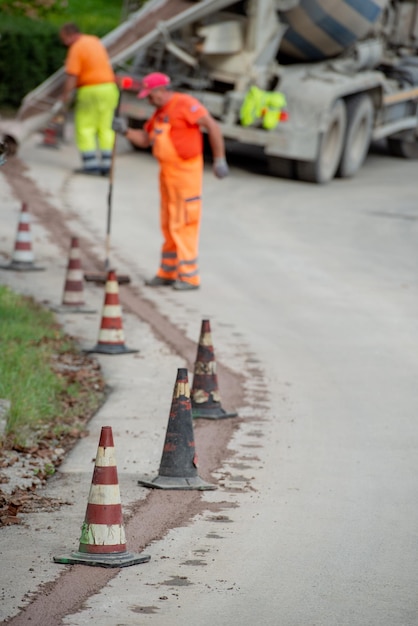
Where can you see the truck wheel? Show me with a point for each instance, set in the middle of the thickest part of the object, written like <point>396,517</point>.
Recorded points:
<point>360,114</point>
<point>402,148</point>
<point>331,142</point>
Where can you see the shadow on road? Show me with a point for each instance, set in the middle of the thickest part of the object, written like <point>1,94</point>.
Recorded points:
<point>252,159</point>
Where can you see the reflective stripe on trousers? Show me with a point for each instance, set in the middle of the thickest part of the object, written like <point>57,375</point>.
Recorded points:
<point>90,161</point>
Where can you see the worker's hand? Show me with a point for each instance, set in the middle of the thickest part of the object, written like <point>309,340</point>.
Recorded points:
<point>120,125</point>
<point>220,167</point>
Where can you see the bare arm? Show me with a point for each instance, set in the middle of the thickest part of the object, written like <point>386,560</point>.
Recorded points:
<point>69,86</point>
<point>138,137</point>
<point>217,144</point>
<point>215,136</point>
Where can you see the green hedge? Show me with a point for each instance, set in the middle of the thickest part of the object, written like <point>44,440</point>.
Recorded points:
<point>30,51</point>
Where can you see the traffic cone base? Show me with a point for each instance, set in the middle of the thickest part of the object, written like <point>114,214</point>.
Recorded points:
<point>103,542</point>
<point>21,266</point>
<point>101,278</point>
<point>170,482</point>
<point>66,308</point>
<point>117,559</point>
<point>212,413</point>
<point>103,348</point>
<point>178,466</point>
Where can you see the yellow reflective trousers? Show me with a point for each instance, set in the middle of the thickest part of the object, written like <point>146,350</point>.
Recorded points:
<point>94,109</point>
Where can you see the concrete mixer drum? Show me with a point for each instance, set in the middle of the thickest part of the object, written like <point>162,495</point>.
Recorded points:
<point>325,28</point>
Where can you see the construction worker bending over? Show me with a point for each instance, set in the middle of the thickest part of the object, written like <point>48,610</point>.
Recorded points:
<point>89,71</point>
<point>174,132</point>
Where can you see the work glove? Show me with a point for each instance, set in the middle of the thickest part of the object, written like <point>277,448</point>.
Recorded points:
<point>220,167</point>
<point>119,125</point>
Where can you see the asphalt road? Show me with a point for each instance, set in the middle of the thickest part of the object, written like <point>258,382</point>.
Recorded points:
<point>312,296</point>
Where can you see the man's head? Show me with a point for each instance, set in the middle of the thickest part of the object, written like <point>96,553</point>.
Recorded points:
<point>155,87</point>
<point>69,33</point>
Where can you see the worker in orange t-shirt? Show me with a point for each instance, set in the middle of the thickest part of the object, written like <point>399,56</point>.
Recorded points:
<point>89,71</point>
<point>174,132</point>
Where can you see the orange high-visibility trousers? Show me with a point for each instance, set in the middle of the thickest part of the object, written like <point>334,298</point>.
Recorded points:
<point>180,209</point>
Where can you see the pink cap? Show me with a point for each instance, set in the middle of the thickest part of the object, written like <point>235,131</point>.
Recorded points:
<point>152,81</point>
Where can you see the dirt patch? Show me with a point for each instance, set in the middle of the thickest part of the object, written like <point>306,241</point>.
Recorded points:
<point>26,468</point>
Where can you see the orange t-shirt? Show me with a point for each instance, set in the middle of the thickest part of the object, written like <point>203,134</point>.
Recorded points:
<point>181,112</point>
<point>87,59</point>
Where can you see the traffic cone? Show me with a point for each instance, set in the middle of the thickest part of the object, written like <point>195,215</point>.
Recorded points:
<point>102,540</point>
<point>53,133</point>
<point>206,399</point>
<point>50,137</point>
<point>178,467</point>
<point>72,300</point>
<point>23,258</point>
<point>111,336</point>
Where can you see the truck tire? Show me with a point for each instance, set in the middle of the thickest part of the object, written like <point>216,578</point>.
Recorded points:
<point>331,143</point>
<point>360,113</point>
<point>403,149</point>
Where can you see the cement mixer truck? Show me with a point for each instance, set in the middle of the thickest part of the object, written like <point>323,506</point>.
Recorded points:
<point>347,71</point>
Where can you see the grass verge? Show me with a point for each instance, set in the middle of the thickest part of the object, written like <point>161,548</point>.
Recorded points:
<point>53,390</point>
<point>97,16</point>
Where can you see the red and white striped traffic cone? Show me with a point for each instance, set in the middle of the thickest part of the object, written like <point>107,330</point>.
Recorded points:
<point>206,399</point>
<point>50,136</point>
<point>103,540</point>
<point>53,133</point>
<point>111,336</point>
<point>23,257</point>
<point>73,299</point>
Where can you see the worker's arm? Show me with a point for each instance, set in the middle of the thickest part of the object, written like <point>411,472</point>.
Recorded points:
<point>215,136</point>
<point>138,137</point>
<point>220,166</point>
<point>69,85</point>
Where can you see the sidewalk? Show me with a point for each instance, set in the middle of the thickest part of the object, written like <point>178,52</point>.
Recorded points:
<point>138,407</point>
<point>137,420</point>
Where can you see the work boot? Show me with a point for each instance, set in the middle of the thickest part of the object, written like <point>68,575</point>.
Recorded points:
<point>93,171</point>
<point>157,281</point>
<point>181,285</point>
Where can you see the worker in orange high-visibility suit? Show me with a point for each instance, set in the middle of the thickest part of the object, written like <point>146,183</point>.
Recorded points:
<point>89,72</point>
<point>174,132</point>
